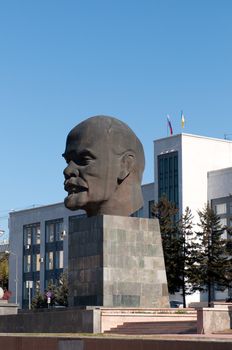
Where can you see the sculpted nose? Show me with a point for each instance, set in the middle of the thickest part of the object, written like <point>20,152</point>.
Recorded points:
<point>71,170</point>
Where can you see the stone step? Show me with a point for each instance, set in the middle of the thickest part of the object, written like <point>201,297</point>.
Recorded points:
<point>178,327</point>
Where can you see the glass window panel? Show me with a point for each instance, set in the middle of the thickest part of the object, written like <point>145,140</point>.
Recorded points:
<point>59,259</point>
<point>49,261</point>
<point>25,291</point>
<point>50,232</point>
<point>31,234</point>
<point>27,263</point>
<point>168,176</point>
<point>59,231</point>
<point>27,236</point>
<point>36,262</point>
<point>220,208</point>
<point>37,285</point>
<point>37,235</point>
<point>54,231</point>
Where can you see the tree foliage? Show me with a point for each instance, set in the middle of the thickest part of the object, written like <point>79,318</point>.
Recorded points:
<point>194,260</point>
<point>166,212</point>
<point>58,294</point>
<point>4,271</point>
<point>210,259</point>
<point>185,238</point>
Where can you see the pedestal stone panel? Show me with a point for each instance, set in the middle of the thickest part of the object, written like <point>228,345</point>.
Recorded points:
<point>116,261</point>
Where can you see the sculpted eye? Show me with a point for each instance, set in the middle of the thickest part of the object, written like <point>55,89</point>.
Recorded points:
<point>81,159</point>
<point>85,160</point>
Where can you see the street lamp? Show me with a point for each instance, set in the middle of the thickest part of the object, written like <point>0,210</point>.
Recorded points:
<point>16,274</point>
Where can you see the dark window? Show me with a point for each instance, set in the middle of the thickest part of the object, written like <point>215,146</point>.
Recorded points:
<point>54,250</point>
<point>31,259</point>
<point>168,177</point>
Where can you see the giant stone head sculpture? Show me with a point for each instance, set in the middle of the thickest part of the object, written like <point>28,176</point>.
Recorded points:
<point>105,163</point>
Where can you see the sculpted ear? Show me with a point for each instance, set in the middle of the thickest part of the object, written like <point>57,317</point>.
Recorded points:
<point>126,166</point>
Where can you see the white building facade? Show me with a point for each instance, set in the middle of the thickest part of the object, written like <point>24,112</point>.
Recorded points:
<point>182,163</point>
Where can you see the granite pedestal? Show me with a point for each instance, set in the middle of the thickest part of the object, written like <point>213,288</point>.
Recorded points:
<point>8,308</point>
<point>116,261</point>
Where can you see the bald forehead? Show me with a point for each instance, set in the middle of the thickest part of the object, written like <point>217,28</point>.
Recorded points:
<point>106,126</point>
<point>86,133</point>
<point>111,131</point>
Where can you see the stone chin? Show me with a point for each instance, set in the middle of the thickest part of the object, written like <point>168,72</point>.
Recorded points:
<point>74,202</point>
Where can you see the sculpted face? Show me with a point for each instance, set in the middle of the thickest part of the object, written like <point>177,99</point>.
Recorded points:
<point>105,162</point>
<point>89,180</point>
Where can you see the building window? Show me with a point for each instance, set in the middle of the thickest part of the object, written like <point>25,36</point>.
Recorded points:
<point>27,235</point>
<point>31,234</point>
<point>36,289</point>
<point>49,260</point>
<point>50,232</point>
<point>27,263</point>
<point>168,177</point>
<point>59,231</point>
<point>59,262</point>
<point>25,291</point>
<point>220,208</point>
<point>36,234</point>
<point>54,257</point>
<point>31,258</point>
<point>54,230</point>
<point>36,262</point>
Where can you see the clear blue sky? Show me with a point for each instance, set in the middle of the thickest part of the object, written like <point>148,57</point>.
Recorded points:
<point>137,60</point>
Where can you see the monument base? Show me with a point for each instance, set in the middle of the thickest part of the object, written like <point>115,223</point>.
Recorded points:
<point>91,320</point>
<point>8,308</point>
<point>116,261</point>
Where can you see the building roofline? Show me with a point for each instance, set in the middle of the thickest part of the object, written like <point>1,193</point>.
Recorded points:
<point>221,170</point>
<point>195,136</point>
<point>35,208</point>
<point>149,183</point>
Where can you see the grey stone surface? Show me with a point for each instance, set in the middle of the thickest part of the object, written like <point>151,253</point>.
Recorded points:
<point>71,344</point>
<point>212,320</point>
<point>52,321</point>
<point>8,308</point>
<point>116,261</point>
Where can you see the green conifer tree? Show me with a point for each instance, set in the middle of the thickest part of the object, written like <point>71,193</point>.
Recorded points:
<point>186,236</point>
<point>166,212</point>
<point>209,255</point>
